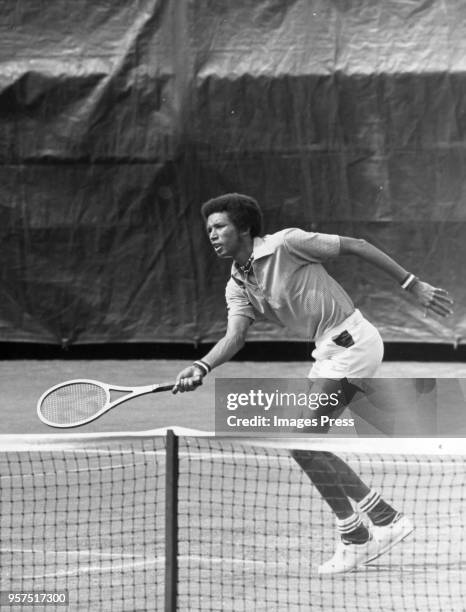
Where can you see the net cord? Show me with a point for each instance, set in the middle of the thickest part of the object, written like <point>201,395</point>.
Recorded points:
<point>408,446</point>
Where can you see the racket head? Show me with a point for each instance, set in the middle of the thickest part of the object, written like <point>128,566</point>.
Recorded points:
<point>73,403</point>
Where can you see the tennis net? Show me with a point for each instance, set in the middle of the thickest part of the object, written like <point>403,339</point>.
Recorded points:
<point>193,522</point>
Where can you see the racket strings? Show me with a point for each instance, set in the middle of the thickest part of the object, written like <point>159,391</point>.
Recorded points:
<point>73,402</point>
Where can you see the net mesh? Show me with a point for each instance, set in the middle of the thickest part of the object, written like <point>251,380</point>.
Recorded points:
<point>252,530</point>
<point>89,520</point>
<point>253,535</point>
<point>73,402</point>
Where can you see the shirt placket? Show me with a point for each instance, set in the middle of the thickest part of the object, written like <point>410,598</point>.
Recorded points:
<point>252,283</point>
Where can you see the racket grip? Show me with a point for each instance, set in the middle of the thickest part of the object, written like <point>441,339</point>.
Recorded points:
<point>167,386</point>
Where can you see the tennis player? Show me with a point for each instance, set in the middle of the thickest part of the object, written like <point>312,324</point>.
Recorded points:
<point>281,277</point>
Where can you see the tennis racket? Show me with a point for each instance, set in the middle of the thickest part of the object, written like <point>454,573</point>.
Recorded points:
<point>77,402</point>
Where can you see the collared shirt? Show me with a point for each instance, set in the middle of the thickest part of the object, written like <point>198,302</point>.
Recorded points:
<point>287,283</point>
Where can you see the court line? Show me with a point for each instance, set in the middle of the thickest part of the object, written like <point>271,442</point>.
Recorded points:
<point>86,470</point>
<point>296,563</point>
<point>85,553</point>
<point>280,459</point>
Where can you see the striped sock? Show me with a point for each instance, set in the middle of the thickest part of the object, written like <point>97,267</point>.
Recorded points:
<point>377,509</point>
<point>353,530</point>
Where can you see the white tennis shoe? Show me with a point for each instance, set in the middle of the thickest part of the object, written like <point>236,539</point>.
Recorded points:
<point>389,535</point>
<point>349,557</point>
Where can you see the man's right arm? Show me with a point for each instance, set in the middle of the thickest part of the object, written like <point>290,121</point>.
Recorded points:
<point>191,377</point>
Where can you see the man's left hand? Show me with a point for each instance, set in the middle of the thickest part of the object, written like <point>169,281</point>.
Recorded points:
<point>432,298</point>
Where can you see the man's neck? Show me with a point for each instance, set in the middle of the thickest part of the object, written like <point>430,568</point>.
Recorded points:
<point>244,254</point>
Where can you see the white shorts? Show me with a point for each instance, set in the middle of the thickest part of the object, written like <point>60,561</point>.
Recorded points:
<point>360,360</point>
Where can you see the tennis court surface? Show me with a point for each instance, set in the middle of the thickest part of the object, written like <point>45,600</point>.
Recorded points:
<point>240,524</point>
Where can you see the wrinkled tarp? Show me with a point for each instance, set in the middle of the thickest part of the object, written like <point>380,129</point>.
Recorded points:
<point>117,119</point>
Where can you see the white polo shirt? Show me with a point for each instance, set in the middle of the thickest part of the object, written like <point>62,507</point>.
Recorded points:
<point>288,285</point>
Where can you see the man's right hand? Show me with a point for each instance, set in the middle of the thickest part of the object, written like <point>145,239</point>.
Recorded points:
<point>188,379</point>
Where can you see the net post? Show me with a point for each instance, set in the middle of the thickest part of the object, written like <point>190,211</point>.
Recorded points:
<point>171,521</point>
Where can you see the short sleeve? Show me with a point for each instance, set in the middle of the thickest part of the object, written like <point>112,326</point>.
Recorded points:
<point>237,301</point>
<point>311,246</point>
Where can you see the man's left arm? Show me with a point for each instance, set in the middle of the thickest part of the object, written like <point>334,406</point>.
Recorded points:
<point>434,298</point>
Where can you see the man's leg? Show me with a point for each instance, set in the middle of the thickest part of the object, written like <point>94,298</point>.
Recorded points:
<point>337,482</point>
<point>334,479</point>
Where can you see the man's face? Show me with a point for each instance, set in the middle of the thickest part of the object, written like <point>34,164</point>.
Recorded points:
<point>223,235</point>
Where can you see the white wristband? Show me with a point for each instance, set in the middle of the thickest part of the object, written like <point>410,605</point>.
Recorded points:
<point>409,280</point>
<point>203,366</point>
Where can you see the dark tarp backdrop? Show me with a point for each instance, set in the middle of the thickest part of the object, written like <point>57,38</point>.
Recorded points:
<point>117,119</point>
